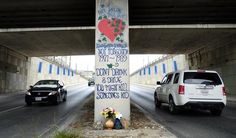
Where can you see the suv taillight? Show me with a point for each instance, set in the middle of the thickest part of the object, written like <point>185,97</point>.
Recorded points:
<point>181,89</point>
<point>224,91</point>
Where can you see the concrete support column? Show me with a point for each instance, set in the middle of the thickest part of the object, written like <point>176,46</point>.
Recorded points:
<point>112,87</point>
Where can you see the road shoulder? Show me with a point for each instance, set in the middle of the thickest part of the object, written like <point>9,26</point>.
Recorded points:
<point>141,125</point>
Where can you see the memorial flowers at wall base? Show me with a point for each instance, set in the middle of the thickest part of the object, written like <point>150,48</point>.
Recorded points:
<point>112,118</point>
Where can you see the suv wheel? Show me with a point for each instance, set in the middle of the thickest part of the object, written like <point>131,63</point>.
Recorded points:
<point>172,106</point>
<point>157,102</point>
<point>216,112</point>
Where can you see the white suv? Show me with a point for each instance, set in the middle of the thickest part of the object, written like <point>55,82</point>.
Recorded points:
<point>192,88</point>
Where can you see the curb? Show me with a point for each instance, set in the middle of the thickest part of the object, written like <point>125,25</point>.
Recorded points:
<point>62,124</point>
<point>5,95</point>
<point>147,114</point>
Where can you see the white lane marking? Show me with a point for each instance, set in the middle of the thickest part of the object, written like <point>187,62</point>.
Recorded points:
<point>51,128</point>
<point>11,109</point>
<point>66,120</point>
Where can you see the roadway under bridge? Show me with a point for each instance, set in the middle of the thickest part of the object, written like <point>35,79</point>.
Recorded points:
<point>203,30</point>
<point>55,28</point>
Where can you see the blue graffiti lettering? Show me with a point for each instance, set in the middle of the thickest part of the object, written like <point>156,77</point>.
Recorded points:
<point>103,58</point>
<point>114,80</point>
<point>123,87</point>
<point>108,95</point>
<point>99,87</point>
<point>121,58</point>
<point>119,51</point>
<point>119,72</point>
<point>101,51</point>
<point>111,87</point>
<point>102,72</point>
<point>109,45</point>
<point>115,13</point>
<point>124,95</point>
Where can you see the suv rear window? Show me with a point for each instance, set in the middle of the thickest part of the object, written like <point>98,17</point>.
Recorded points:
<point>202,78</point>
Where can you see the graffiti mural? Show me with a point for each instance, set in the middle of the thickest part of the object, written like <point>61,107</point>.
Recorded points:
<point>112,52</point>
<point>112,29</point>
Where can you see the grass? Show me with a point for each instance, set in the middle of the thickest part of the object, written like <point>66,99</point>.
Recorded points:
<point>66,134</point>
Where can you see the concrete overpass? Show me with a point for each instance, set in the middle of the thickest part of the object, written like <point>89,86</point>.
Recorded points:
<point>52,28</point>
<point>161,39</point>
<point>36,28</point>
<point>74,13</point>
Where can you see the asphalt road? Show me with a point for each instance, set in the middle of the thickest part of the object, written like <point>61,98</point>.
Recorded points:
<point>20,121</point>
<point>188,123</point>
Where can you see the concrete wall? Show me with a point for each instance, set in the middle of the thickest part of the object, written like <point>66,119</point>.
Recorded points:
<point>219,58</point>
<point>18,72</point>
<point>13,70</point>
<point>34,75</point>
<point>142,76</point>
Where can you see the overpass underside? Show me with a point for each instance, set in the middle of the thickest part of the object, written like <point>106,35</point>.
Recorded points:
<point>74,13</point>
<point>66,27</point>
<point>182,39</point>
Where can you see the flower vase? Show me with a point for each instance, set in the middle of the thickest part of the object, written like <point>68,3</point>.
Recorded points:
<point>109,124</point>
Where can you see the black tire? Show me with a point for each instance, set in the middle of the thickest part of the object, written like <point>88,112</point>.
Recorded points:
<point>89,84</point>
<point>216,112</point>
<point>172,106</point>
<point>157,102</point>
<point>29,103</point>
<point>65,98</point>
<point>56,102</point>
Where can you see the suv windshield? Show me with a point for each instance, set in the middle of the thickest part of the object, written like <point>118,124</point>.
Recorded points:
<point>47,82</point>
<point>201,78</point>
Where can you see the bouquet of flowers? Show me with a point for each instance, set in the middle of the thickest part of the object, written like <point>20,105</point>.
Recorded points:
<point>109,112</point>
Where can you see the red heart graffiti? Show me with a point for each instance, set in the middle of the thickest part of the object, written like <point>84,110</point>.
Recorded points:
<point>111,28</point>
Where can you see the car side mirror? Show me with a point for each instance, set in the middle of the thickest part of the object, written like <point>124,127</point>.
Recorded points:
<point>31,87</point>
<point>60,86</point>
<point>158,83</point>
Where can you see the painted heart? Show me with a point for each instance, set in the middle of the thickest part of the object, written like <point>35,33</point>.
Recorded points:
<point>111,28</point>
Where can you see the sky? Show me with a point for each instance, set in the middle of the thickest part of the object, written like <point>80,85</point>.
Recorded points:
<point>87,63</point>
